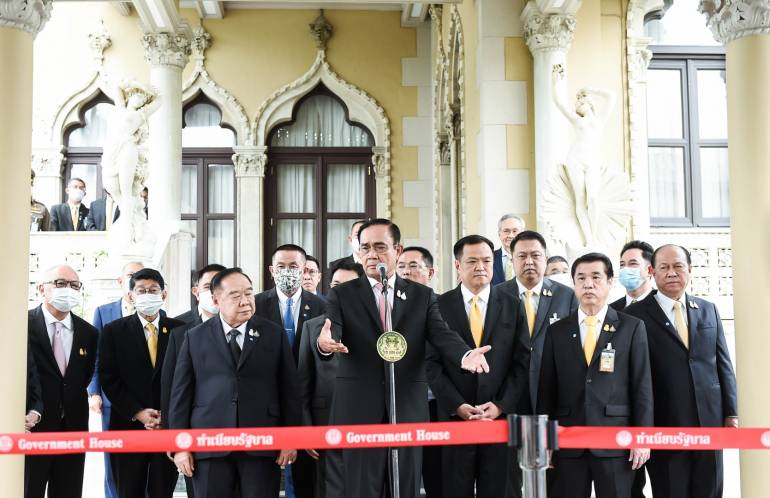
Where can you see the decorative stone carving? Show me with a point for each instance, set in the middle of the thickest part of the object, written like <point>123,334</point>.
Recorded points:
<point>26,15</point>
<point>443,145</point>
<point>436,11</point>
<point>321,30</point>
<point>250,161</point>
<point>547,32</point>
<point>733,19</point>
<point>725,286</point>
<point>381,166</point>
<point>725,257</point>
<point>700,285</point>
<point>48,161</point>
<point>167,49</point>
<point>233,113</point>
<point>99,41</point>
<point>700,257</point>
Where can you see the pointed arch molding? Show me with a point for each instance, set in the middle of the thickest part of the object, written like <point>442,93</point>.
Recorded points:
<point>362,109</point>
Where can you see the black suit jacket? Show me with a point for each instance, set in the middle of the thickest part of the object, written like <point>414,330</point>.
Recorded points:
<point>34,389</point>
<point>360,389</point>
<point>267,306</point>
<point>210,390</point>
<point>127,375</point>
<point>189,320</point>
<point>316,375</point>
<point>619,305</point>
<point>65,400</point>
<point>578,394</point>
<point>498,272</point>
<point>696,386</point>
<point>61,219</point>
<point>97,215</point>
<point>551,308</point>
<point>506,331</point>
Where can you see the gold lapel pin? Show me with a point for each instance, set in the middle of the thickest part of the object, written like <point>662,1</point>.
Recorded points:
<point>606,328</point>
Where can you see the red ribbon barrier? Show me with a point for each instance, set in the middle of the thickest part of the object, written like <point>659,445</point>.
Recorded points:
<point>371,436</point>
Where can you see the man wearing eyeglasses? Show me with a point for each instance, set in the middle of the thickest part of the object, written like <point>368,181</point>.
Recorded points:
<point>508,227</point>
<point>63,347</point>
<point>311,277</point>
<point>416,264</point>
<point>131,354</point>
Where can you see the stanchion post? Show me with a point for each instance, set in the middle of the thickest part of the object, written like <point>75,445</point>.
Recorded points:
<point>533,435</point>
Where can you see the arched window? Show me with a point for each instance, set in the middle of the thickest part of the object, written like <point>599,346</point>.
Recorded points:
<point>208,183</point>
<point>687,121</point>
<point>319,178</point>
<point>84,141</point>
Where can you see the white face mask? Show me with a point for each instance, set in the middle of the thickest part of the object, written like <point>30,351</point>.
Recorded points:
<point>148,304</point>
<point>206,302</point>
<point>64,299</point>
<point>76,194</point>
<point>562,278</point>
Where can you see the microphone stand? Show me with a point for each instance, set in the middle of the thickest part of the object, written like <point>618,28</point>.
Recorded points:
<point>392,382</point>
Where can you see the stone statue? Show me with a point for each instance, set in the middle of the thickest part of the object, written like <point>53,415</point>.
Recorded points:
<point>321,31</point>
<point>124,167</point>
<point>586,205</point>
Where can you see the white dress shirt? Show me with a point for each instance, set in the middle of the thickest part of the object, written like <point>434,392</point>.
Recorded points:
<point>583,326</point>
<point>240,328</point>
<point>481,303</point>
<point>295,304</point>
<point>155,322</point>
<point>536,291</point>
<point>202,314</point>
<point>124,308</point>
<point>67,331</point>
<point>629,298</point>
<point>667,305</point>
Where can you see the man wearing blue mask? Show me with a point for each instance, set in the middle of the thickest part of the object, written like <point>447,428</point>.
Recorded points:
<point>636,276</point>
<point>635,273</point>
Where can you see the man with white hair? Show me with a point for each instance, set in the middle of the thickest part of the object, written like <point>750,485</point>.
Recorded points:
<point>63,347</point>
<point>508,227</point>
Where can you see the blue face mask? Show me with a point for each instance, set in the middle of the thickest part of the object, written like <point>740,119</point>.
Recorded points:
<point>631,278</point>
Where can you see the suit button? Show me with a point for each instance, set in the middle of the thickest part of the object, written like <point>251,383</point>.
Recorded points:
<point>588,381</point>
<point>64,384</point>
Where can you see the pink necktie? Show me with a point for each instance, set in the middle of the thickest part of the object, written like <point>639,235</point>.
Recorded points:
<point>58,348</point>
<point>381,305</point>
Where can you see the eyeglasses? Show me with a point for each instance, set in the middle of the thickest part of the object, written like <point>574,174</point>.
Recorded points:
<point>61,283</point>
<point>312,273</point>
<point>378,248</point>
<point>154,291</point>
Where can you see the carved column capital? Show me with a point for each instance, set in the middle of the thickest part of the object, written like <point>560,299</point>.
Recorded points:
<point>381,162</point>
<point>167,49</point>
<point>547,31</point>
<point>201,41</point>
<point>733,19</point>
<point>99,41</point>
<point>250,161</point>
<point>26,15</point>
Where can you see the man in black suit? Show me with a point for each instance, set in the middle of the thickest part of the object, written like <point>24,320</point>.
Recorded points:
<point>205,310</point>
<point>316,385</point>
<point>131,354</point>
<point>71,215</point>
<point>358,310</point>
<point>64,350</point>
<point>290,306</point>
<point>416,264</point>
<point>596,372</point>
<point>350,258</point>
<point>311,276</point>
<point>636,277</point>
<point>102,213</point>
<point>635,273</point>
<point>508,227</point>
<point>692,376</point>
<point>480,315</point>
<point>543,302</point>
<point>235,370</point>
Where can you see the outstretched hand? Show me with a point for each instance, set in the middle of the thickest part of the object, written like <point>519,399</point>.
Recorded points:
<point>475,362</point>
<point>326,342</point>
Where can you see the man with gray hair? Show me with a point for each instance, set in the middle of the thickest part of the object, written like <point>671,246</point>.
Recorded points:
<point>63,347</point>
<point>507,228</point>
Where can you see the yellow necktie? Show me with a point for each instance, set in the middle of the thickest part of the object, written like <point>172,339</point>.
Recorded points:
<point>75,212</point>
<point>477,324</point>
<point>590,341</point>
<point>529,308</point>
<point>109,214</point>
<point>152,342</point>
<point>681,325</point>
<point>508,268</point>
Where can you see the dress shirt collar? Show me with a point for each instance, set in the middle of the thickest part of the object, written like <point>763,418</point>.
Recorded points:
<point>227,327</point>
<point>483,295</point>
<point>50,319</point>
<point>536,290</point>
<point>391,281</point>
<point>282,298</point>
<point>599,316</point>
<point>629,298</point>
<point>667,303</point>
<point>155,322</point>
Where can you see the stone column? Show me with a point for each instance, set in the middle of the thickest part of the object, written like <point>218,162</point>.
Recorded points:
<point>47,163</point>
<point>167,54</point>
<point>250,164</point>
<point>548,30</point>
<point>744,27</point>
<point>20,21</point>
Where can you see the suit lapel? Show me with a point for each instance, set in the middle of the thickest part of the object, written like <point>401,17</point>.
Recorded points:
<point>399,305</point>
<point>610,320</point>
<point>490,319</point>
<point>163,334</point>
<point>692,320</point>
<point>574,337</point>
<point>77,346</point>
<point>274,307</point>
<point>542,307</point>
<point>249,344</point>
<point>42,330</point>
<point>218,336</point>
<point>459,318</point>
<point>656,313</point>
<point>136,331</point>
<point>366,295</point>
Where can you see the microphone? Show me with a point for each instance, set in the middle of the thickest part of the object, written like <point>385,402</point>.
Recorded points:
<point>383,269</point>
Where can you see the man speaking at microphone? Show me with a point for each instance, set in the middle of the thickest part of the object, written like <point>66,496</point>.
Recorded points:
<point>358,310</point>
